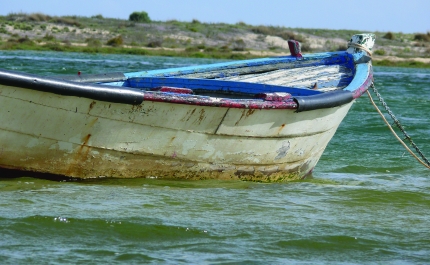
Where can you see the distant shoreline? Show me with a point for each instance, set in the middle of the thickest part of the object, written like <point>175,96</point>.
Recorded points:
<point>401,62</point>
<point>390,61</point>
<point>194,39</point>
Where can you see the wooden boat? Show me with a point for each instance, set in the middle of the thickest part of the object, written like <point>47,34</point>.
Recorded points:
<point>263,119</point>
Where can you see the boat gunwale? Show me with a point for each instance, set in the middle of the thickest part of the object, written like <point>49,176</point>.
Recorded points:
<point>130,95</point>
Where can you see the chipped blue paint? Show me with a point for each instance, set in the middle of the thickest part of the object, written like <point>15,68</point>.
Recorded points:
<point>289,61</point>
<point>215,85</point>
<point>253,137</point>
<point>361,75</point>
<point>283,150</point>
<point>354,76</point>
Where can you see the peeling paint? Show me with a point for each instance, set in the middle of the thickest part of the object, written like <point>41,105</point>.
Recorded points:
<point>32,143</point>
<point>187,145</point>
<point>282,151</point>
<point>256,135</point>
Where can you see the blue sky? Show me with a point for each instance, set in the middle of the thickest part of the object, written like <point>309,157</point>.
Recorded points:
<point>410,16</point>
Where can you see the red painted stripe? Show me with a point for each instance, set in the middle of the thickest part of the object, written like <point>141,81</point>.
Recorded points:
<point>363,88</point>
<point>219,102</point>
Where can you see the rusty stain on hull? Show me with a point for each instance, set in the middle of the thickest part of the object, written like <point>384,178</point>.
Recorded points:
<point>245,113</point>
<point>92,122</point>
<point>173,135</point>
<point>189,115</point>
<point>80,156</point>
<point>149,167</point>
<point>280,129</point>
<point>91,106</point>
<point>201,116</point>
<point>85,140</point>
<point>139,157</point>
<point>90,162</point>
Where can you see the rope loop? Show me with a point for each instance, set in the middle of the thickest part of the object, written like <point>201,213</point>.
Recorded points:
<point>361,47</point>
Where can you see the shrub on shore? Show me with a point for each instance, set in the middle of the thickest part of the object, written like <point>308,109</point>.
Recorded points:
<point>379,52</point>
<point>155,44</point>
<point>389,36</point>
<point>115,42</point>
<point>48,37</point>
<point>239,45</point>
<point>422,37</point>
<point>141,17</point>
<point>99,16</point>
<point>39,17</point>
<point>93,42</point>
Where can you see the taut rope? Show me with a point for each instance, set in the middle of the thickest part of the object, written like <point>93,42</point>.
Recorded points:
<point>396,121</point>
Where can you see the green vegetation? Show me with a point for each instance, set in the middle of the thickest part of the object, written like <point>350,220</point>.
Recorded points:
<point>23,45</point>
<point>99,16</point>
<point>389,36</point>
<point>155,44</point>
<point>379,52</point>
<point>116,42</point>
<point>412,64</point>
<point>92,42</point>
<point>140,35</point>
<point>141,17</point>
<point>423,37</point>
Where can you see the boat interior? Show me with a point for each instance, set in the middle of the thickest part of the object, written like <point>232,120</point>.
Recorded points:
<point>250,82</point>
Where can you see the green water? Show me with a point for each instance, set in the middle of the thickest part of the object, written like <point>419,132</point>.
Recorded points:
<point>367,202</point>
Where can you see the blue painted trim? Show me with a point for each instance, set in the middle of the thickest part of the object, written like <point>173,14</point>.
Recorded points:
<point>312,59</point>
<point>361,57</point>
<point>361,74</point>
<point>172,76</point>
<point>215,85</point>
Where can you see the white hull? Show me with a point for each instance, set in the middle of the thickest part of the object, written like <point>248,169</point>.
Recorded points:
<point>266,119</point>
<point>84,138</point>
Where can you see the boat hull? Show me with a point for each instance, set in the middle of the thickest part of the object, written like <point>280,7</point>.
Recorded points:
<point>85,138</point>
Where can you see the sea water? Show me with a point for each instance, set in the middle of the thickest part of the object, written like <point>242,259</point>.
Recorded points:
<point>367,200</point>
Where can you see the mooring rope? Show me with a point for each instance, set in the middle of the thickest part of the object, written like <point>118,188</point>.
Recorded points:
<point>361,47</point>
<point>397,122</point>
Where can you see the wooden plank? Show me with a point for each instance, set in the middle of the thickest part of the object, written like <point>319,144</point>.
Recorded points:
<point>333,76</point>
<point>215,85</point>
<point>249,66</point>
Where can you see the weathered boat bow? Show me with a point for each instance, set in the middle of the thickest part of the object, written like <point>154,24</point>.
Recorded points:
<point>265,119</point>
<point>60,86</point>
